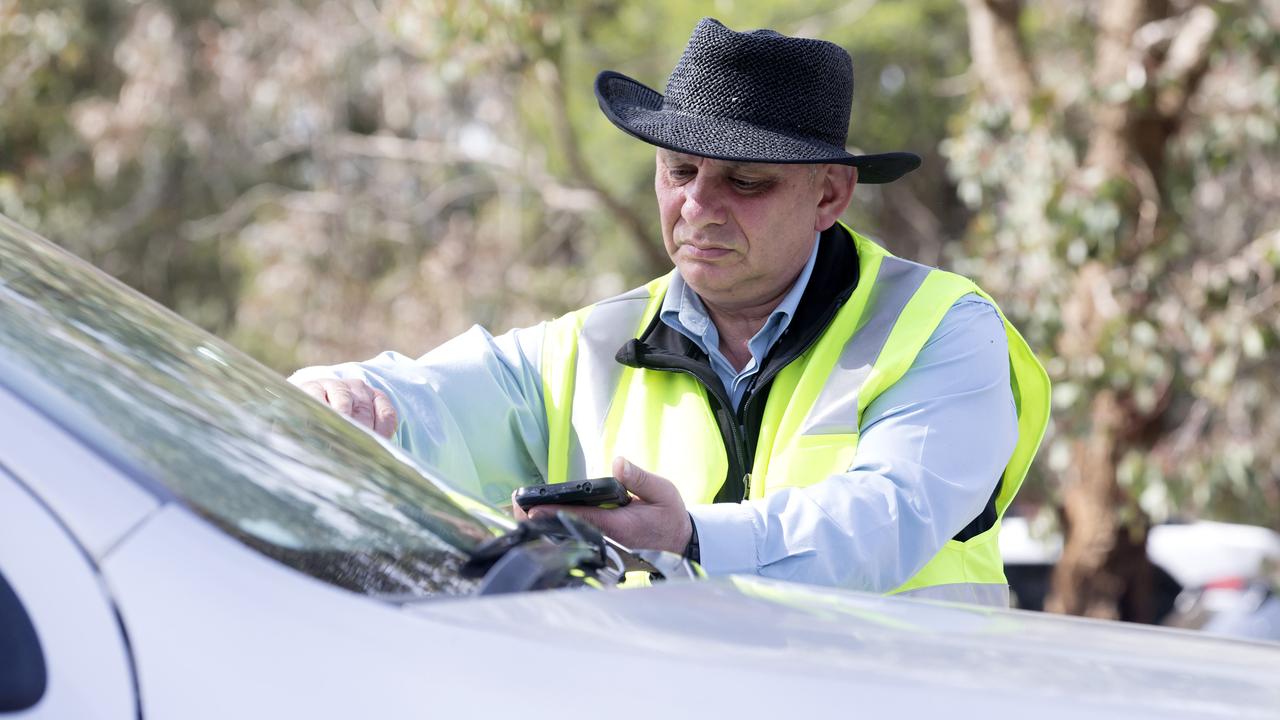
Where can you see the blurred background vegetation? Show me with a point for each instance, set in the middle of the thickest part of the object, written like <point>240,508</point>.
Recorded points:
<point>320,180</point>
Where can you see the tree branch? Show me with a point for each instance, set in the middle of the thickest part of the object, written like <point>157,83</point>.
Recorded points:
<point>999,56</point>
<point>504,159</point>
<point>1186,62</point>
<point>1138,51</point>
<point>1118,23</point>
<point>640,233</point>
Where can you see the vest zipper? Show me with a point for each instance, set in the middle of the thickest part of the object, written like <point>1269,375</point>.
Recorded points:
<point>765,375</point>
<point>740,421</point>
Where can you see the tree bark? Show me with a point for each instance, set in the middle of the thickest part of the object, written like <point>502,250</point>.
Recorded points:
<point>1104,571</point>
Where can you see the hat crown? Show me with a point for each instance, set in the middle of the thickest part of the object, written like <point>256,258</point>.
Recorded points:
<point>793,86</point>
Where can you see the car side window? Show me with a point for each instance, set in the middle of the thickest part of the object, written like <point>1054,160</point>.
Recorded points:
<point>24,679</point>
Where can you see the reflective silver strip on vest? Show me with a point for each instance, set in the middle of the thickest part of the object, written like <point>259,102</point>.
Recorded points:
<point>988,594</point>
<point>611,323</point>
<point>835,412</point>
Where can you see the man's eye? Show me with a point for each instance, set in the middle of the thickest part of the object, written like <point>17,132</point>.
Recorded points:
<point>679,173</point>
<point>744,184</point>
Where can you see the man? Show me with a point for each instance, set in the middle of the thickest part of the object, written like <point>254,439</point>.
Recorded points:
<point>791,401</point>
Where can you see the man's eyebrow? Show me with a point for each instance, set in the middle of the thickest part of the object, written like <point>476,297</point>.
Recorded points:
<point>671,157</point>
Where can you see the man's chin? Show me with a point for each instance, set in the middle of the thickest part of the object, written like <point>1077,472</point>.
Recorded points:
<point>710,280</point>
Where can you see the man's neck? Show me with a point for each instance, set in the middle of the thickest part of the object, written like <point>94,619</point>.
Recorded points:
<point>737,325</point>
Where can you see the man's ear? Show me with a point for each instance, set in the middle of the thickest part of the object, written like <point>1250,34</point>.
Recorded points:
<point>837,183</point>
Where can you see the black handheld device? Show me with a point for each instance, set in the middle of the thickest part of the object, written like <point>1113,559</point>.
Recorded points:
<point>601,492</point>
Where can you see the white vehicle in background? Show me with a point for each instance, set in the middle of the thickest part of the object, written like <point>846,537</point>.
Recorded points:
<point>1230,574</point>
<point>183,535</point>
<point>1217,577</point>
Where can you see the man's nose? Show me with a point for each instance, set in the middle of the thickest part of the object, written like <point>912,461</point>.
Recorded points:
<point>703,202</point>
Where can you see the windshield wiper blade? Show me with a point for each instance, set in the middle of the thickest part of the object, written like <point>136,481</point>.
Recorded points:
<point>563,551</point>
<point>540,554</point>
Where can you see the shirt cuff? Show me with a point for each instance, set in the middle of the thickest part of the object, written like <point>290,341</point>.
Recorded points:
<point>726,538</point>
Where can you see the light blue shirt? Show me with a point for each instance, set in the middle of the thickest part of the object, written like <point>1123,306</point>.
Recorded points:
<point>683,310</point>
<point>930,450</point>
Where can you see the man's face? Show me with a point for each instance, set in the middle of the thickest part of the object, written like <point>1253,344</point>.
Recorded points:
<point>739,232</point>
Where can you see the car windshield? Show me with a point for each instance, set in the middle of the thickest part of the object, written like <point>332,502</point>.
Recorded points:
<point>173,405</point>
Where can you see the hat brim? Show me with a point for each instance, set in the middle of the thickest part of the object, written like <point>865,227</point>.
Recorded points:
<point>637,110</point>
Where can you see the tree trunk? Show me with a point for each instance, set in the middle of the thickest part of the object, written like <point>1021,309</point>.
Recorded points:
<point>1104,570</point>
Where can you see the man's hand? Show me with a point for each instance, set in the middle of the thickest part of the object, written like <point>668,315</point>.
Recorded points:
<point>655,519</point>
<point>357,400</point>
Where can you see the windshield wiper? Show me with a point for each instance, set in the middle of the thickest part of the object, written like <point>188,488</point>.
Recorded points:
<point>564,551</point>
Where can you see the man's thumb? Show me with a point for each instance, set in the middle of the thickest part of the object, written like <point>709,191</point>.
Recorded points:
<point>623,470</point>
<point>639,482</point>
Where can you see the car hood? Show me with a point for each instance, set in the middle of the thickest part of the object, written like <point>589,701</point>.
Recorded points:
<point>217,630</point>
<point>895,653</point>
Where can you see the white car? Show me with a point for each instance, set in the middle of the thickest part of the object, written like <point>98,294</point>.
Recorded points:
<point>183,535</point>
<point>1214,576</point>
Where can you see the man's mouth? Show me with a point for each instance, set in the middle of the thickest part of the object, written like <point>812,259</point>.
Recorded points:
<point>705,252</point>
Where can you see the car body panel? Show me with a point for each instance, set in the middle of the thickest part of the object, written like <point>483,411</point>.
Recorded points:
<point>219,631</point>
<point>272,642</point>
<point>85,652</point>
<point>88,495</point>
<point>898,654</point>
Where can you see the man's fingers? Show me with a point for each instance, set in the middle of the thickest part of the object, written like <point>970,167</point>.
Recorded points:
<point>384,414</point>
<point>338,395</point>
<point>362,410</point>
<point>593,515</point>
<point>517,512</point>
<point>314,389</point>
<point>356,399</point>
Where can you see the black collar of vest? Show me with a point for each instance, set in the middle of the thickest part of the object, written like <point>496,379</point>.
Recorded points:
<point>835,275</point>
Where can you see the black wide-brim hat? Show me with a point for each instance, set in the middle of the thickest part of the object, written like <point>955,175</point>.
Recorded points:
<point>754,96</point>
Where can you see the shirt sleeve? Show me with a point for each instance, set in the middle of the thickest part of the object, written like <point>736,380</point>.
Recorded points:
<point>470,411</point>
<point>931,450</point>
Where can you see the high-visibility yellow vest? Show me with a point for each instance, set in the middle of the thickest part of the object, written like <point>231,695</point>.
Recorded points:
<point>598,409</point>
